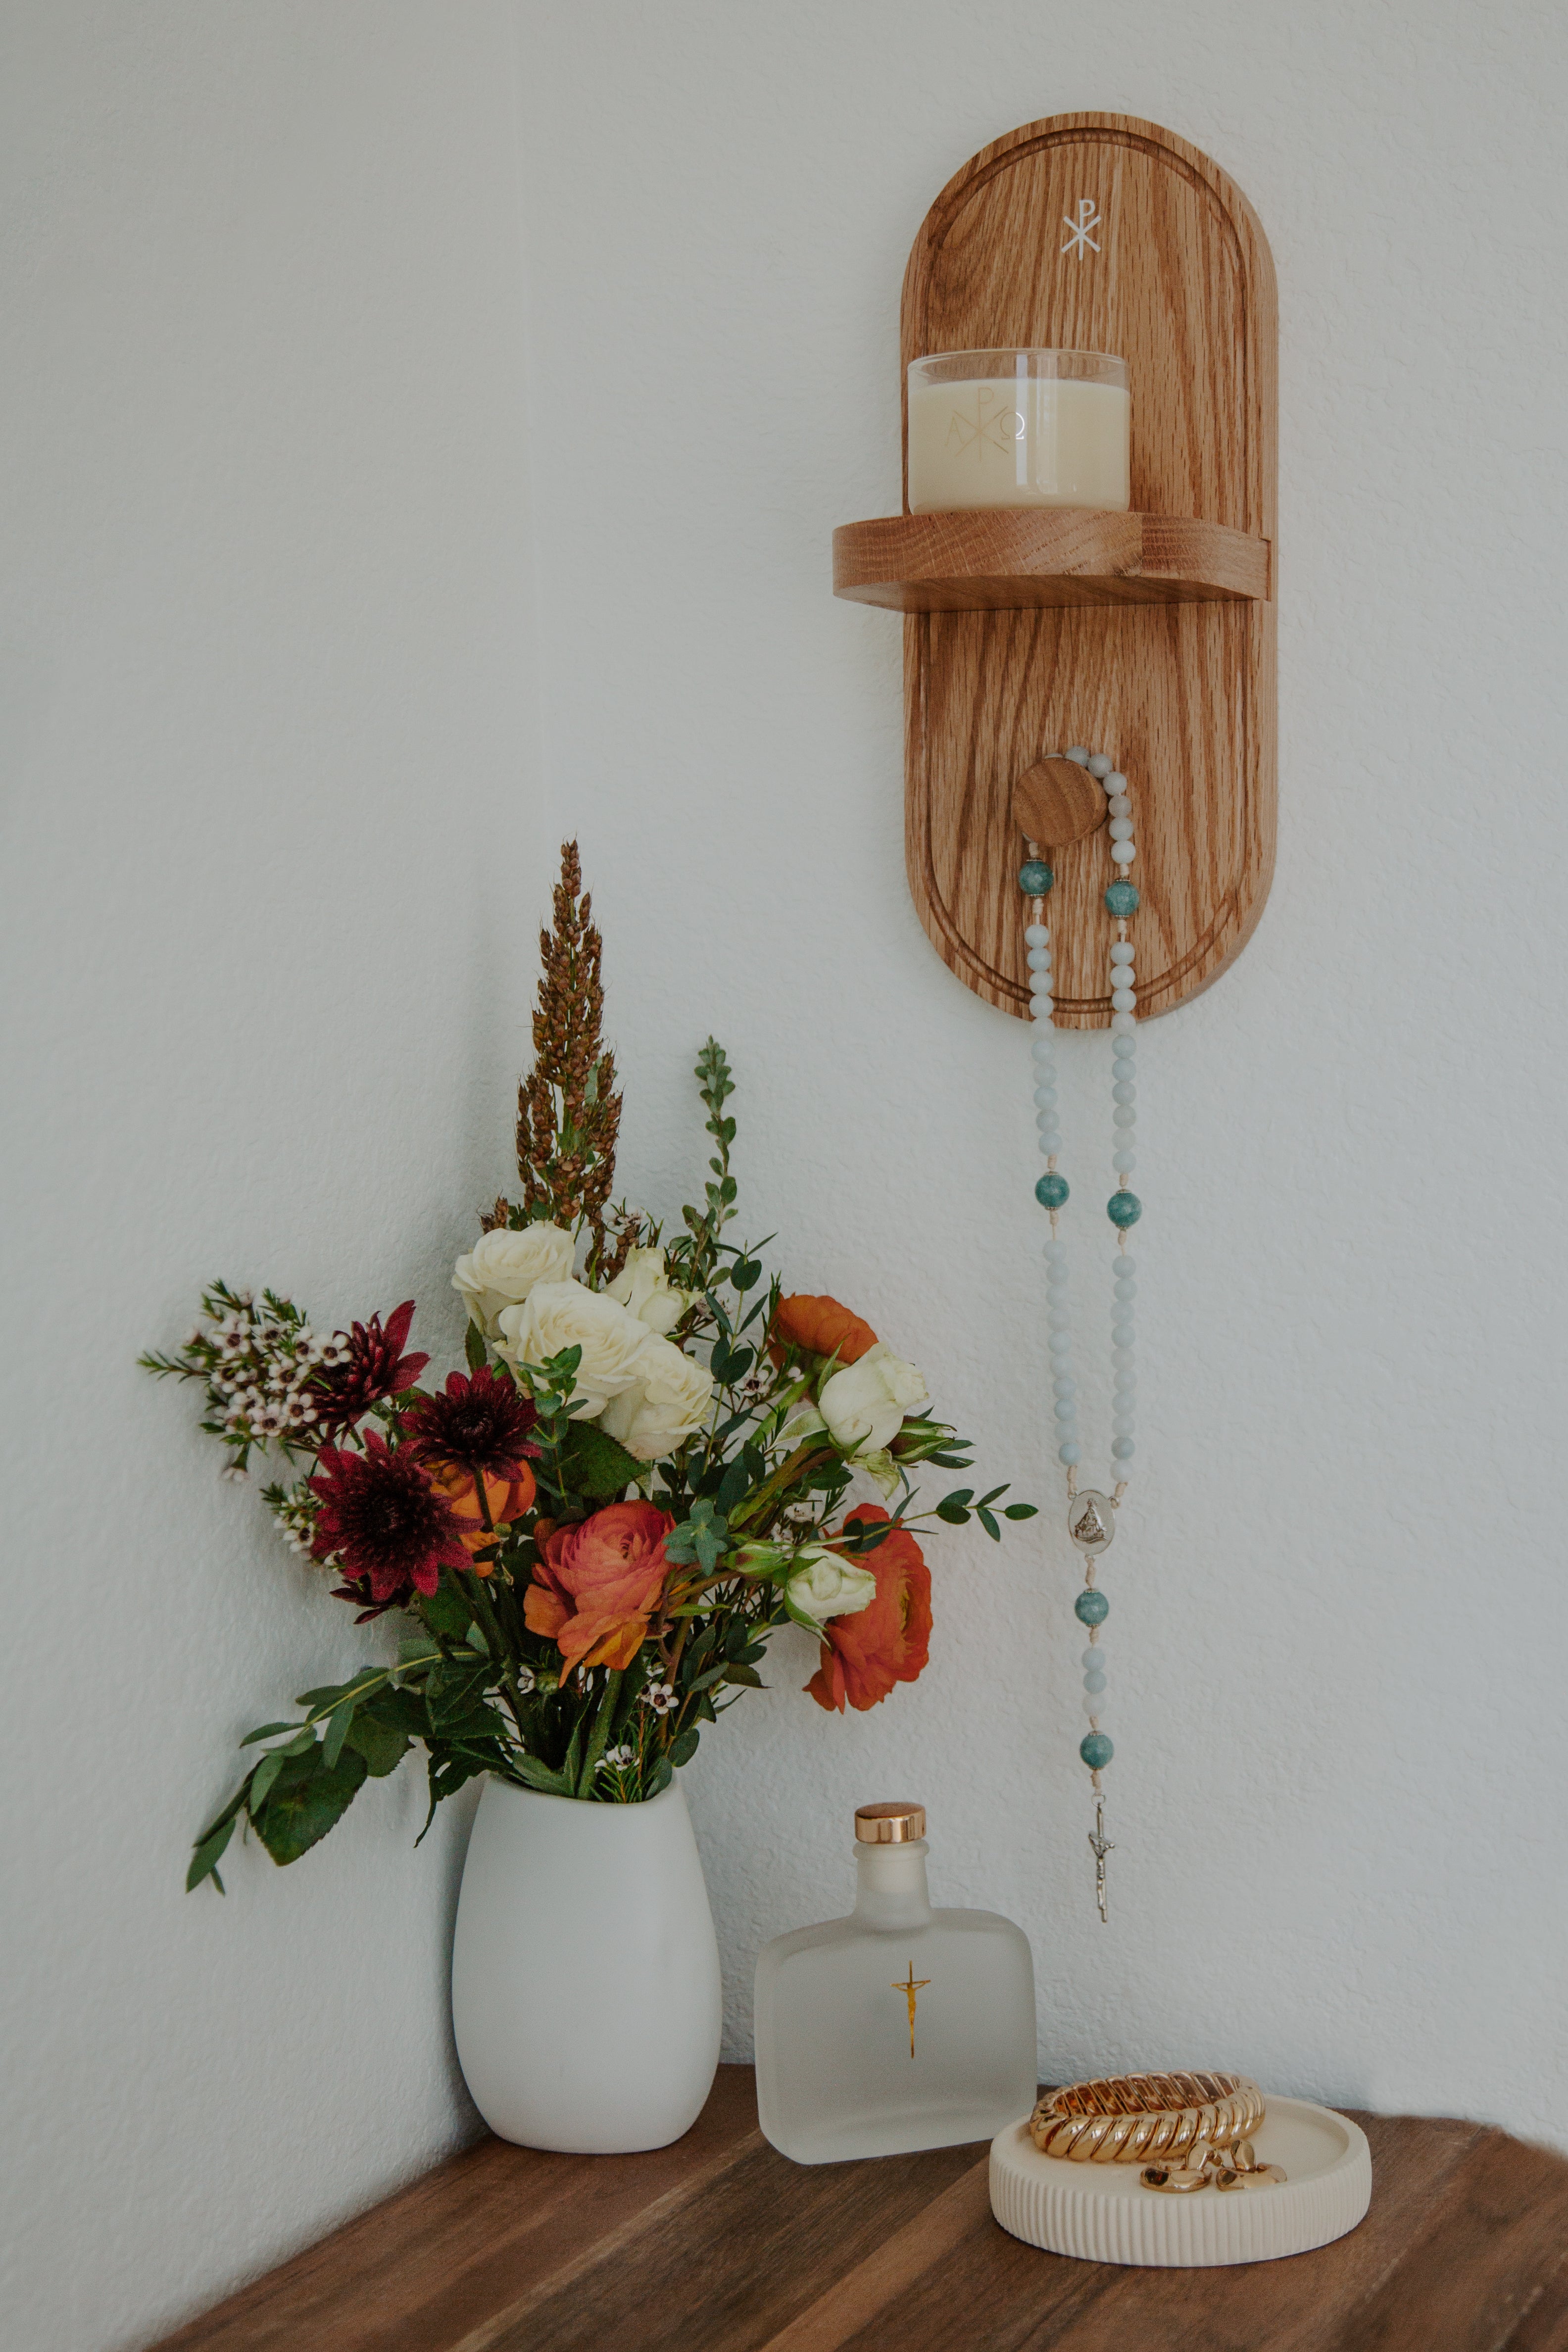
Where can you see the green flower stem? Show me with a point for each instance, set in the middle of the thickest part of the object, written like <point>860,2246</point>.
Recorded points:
<point>771,1490</point>
<point>473,1588</point>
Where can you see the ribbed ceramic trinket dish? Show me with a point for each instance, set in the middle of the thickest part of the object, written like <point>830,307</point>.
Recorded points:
<point>1103,2213</point>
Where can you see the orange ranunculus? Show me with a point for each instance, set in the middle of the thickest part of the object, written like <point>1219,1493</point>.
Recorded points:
<point>508,1499</point>
<point>821,1325</point>
<point>595,1587</point>
<point>863,1657</point>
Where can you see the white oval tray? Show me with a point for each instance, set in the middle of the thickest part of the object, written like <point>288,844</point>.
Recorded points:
<point>1103,2213</point>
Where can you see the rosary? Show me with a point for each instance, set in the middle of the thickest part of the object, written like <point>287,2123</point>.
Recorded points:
<point>1091,1514</point>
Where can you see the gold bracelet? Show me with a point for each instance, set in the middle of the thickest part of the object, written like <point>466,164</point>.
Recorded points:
<point>1146,2119</point>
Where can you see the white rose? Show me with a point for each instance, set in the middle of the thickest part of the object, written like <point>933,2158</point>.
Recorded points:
<point>557,1315</point>
<point>865,1403</point>
<point>667,1402</point>
<point>502,1268</point>
<point>645,1290</point>
<point>824,1584</point>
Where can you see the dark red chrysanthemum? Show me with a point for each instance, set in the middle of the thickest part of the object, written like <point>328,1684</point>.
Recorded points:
<point>376,1368</point>
<point>479,1425</point>
<point>383,1519</point>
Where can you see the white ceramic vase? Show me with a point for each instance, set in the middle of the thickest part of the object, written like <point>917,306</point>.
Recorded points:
<point>586,1994</point>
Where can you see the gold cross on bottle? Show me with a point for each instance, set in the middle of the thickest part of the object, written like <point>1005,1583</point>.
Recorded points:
<point>909,1986</point>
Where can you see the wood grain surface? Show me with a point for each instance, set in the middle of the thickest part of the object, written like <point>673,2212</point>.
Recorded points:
<point>1181,693</point>
<point>719,2244</point>
<point>1009,559</point>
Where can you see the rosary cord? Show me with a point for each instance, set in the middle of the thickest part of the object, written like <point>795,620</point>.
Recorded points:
<point>1092,1515</point>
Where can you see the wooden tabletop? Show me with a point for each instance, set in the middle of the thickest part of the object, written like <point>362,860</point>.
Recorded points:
<point>718,2244</point>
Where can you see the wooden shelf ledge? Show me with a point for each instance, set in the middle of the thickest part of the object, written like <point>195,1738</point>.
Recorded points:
<point>1008,559</point>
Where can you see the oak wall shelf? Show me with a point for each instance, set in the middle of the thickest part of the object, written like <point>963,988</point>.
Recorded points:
<point>1149,636</point>
<point>1008,558</point>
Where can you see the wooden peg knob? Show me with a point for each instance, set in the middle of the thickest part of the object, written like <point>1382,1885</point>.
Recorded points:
<point>1056,802</point>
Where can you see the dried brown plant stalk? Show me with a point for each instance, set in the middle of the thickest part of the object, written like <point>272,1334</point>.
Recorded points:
<point>568,1112</point>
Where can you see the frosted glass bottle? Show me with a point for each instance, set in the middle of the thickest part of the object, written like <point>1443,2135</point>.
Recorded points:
<point>899,2027</point>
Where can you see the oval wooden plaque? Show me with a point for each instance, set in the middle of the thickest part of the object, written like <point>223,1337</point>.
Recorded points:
<point>1173,272</point>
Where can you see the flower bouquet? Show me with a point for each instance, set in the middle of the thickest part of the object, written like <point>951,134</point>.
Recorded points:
<point>591,1531</point>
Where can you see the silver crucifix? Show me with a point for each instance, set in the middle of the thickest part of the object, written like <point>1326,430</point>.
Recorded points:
<point>1099,1845</point>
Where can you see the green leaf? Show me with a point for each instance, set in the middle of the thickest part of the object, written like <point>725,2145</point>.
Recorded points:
<point>683,1749</point>
<point>210,1850</point>
<point>599,1739</point>
<point>662,1774</point>
<point>382,1745</point>
<point>267,1731</point>
<point>261,1780</point>
<point>1020,1510</point>
<point>305,1801</point>
<point>745,1271</point>
<point>474,1348</point>
<point>706,1681</point>
<point>593,1464</point>
<point>539,1775</point>
<point>988,1523</point>
<point>747,1674</point>
<point>447,1610</point>
<point>991,1497</point>
<point>732,1364</point>
<point>955,1509</point>
<point>338,1724</point>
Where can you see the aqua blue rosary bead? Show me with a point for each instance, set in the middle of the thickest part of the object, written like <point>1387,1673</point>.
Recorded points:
<point>1123,1208</point>
<point>1035,879</point>
<point>1051,1191</point>
<point>1121,899</point>
<point>1092,1607</point>
<point>1097,1749</point>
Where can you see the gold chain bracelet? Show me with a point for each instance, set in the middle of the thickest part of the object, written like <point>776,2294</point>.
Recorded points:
<point>1185,2127</point>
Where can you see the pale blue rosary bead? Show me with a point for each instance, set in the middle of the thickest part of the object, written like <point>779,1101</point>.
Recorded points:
<point>1094,1677</point>
<point>1072,1453</point>
<point>1079,752</point>
<point>1066,1408</point>
<point>1124,1163</point>
<point>1124,1091</point>
<point>1114,781</point>
<point>1126,1285</point>
<point>1045,1097</point>
<point>1124,1261</point>
<point>1121,951</point>
<point>1122,1025</point>
<point>1057,1319</point>
<point>1093,1704</point>
<point>1099,765</point>
<point>1039,959</point>
<point>1122,1333</point>
<point>1041,1007</point>
<point>1123,1000</point>
<point>1123,1448</point>
<point>1094,1655</point>
<point>1054,1253</point>
<point>1124,1115</point>
<point>1119,805</point>
<point>1120,827</point>
<point>1036,935</point>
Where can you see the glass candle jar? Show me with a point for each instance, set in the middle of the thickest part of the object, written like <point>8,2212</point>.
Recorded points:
<point>1018,429</point>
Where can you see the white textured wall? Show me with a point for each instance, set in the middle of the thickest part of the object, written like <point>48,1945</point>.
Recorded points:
<point>291,739</point>
<point>271,855</point>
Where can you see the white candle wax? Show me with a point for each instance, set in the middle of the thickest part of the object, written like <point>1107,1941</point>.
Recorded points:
<point>1017,441</point>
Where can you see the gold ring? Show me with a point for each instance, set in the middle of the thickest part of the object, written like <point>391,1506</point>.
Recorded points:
<point>1149,2119</point>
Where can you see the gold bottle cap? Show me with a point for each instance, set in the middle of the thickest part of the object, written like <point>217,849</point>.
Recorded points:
<point>890,1824</point>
